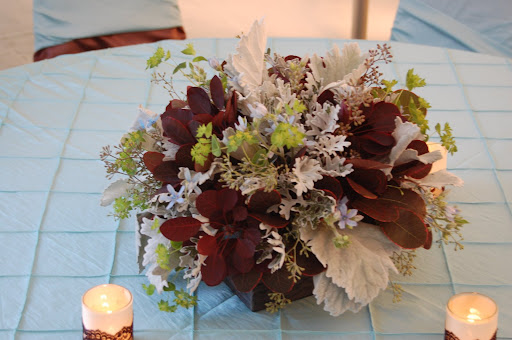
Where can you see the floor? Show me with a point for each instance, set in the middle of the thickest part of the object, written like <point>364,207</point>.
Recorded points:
<point>291,18</point>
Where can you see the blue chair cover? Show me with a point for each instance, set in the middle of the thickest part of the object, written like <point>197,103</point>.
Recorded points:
<point>60,21</point>
<point>472,25</point>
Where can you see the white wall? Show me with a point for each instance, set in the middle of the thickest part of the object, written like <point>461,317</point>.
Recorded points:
<point>221,18</point>
<point>16,38</point>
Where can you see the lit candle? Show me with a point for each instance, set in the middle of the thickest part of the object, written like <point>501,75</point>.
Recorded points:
<point>471,316</point>
<point>442,163</point>
<point>107,313</point>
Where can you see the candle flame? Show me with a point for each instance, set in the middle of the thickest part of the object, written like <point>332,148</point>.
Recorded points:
<point>474,315</point>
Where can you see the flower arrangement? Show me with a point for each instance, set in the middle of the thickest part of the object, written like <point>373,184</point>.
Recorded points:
<point>280,168</point>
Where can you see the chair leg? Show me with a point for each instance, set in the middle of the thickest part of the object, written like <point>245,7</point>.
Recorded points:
<point>359,19</point>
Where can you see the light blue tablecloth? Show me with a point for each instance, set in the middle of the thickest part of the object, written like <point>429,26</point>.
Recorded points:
<point>56,241</point>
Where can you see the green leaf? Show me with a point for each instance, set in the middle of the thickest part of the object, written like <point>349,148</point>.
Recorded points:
<point>168,55</point>
<point>413,81</point>
<point>204,130</point>
<point>447,139</point>
<point>299,107</point>
<point>287,135</point>
<point>163,256</point>
<point>389,85</point>
<point>176,244</point>
<point>171,287</point>
<point>165,307</point>
<point>156,58</point>
<point>216,150</point>
<point>200,58</point>
<point>259,157</point>
<point>179,67</point>
<point>150,290</point>
<point>189,50</point>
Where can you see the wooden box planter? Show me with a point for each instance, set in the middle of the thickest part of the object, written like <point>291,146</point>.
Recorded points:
<point>256,299</point>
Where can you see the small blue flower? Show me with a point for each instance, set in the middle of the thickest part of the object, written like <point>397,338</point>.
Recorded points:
<point>173,197</point>
<point>349,217</point>
<point>450,212</point>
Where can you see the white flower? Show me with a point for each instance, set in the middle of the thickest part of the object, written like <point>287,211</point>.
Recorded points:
<point>214,63</point>
<point>258,111</point>
<point>191,179</point>
<point>242,124</point>
<point>306,171</point>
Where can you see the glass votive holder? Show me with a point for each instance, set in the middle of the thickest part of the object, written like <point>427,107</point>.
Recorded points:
<point>107,313</point>
<point>471,316</point>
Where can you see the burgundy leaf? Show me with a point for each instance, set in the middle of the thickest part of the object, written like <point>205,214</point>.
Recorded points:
<point>252,234</point>
<point>376,209</point>
<point>177,132</point>
<point>419,146</point>
<point>239,213</point>
<point>183,115</point>
<point>214,271</point>
<point>406,199</point>
<point>198,100</point>
<point>326,96</point>
<point>301,152</point>
<point>246,282</point>
<point>310,264</point>
<point>167,172</point>
<point>184,158</point>
<point>217,92</point>
<point>368,180</point>
<point>180,228</point>
<point>291,57</point>
<point>260,201</point>
<point>428,242</point>
<point>192,126</point>
<point>279,281</point>
<point>330,185</point>
<point>207,245</point>
<point>152,160</point>
<point>408,231</point>
<point>176,104</point>
<point>207,203</point>
<point>360,163</point>
<point>227,199</point>
<point>414,169</point>
<point>242,264</point>
<point>203,118</point>
<point>244,248</point>
<point>219,121</point>
<point>271,219</point>
<point>361,190</point>
<point>206,166</point>
<point>231,109</point>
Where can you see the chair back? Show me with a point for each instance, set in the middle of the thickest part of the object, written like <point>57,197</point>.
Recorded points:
<point>59,21</point>
<point>472,25</point>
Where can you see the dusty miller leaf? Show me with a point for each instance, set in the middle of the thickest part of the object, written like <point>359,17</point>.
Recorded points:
<point>335,299</point>
<point>115,190</point>
<point>247,65</point>
<point>337,65</point>
<point>362,268</point>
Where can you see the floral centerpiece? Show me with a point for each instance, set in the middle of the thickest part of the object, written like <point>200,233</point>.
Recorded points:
<point>277,169</point>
